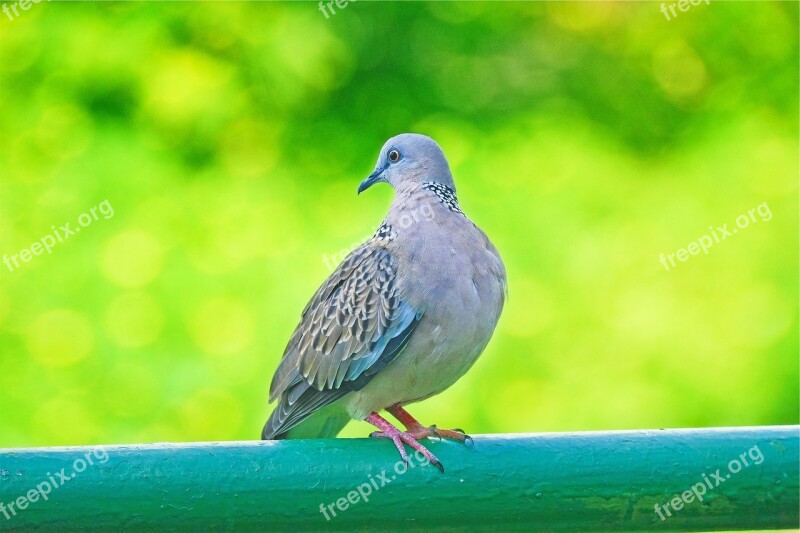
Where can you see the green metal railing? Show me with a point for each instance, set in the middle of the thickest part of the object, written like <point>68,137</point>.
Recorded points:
<point>697,479</point>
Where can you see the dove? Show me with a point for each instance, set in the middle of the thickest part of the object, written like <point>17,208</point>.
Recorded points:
<point>401,319</point>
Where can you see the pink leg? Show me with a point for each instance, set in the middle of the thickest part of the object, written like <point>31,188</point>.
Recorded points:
<point>418,431</point>
<point>387,430</point>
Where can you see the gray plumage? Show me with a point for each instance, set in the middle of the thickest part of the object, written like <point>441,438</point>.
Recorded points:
<point>404,316</point>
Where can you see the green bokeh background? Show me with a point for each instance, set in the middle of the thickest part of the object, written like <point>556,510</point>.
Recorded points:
<point>229,138</point>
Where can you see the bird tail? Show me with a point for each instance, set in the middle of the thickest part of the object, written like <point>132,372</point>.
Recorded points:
<point>323,424</point>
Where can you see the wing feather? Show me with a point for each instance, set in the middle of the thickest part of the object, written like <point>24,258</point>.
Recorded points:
<point>354,325</point>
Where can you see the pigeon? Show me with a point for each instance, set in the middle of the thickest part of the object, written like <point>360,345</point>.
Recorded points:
<point>401,319</point>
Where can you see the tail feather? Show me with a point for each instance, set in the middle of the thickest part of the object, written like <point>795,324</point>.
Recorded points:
<point>323,424</point>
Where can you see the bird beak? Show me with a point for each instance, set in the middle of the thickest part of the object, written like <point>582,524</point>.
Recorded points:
<point>371,180</point>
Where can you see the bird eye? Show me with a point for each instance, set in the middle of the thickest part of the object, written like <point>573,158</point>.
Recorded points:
<point>394,156</point>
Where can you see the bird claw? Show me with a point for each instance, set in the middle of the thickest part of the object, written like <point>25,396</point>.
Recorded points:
<point>400,438</point>
<point>453,434</point>
<point>466,439</point>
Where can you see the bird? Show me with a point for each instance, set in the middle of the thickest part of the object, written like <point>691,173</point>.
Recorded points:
<point>401,319</point>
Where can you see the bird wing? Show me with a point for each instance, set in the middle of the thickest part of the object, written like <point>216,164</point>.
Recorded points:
<point>353,327</point>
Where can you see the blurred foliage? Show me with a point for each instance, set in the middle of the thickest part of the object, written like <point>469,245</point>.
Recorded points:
<point>586,139</point>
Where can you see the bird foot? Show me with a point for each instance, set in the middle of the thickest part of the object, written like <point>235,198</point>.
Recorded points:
<point>421,432</point>
<point>418,431</point>
<point>401,438</point>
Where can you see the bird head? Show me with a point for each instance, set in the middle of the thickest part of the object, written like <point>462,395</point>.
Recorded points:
<point>409,160</point>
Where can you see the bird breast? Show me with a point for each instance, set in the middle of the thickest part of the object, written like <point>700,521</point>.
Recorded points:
<point>459,288</point>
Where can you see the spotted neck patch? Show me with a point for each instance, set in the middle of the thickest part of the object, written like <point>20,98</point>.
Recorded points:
<point>384,233</point>
<point>445,194</point>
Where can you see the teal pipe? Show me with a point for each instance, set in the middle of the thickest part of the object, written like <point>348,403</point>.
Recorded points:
<point>695,479</point>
